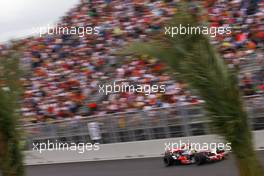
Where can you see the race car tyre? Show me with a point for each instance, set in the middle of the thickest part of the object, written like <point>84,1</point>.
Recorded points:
<point>168,161</point>
<point>200,158</point>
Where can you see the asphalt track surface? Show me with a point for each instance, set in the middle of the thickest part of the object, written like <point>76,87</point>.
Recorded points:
<point>136,167</point>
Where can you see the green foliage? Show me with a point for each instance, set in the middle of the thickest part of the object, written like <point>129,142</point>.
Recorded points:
<point>11,159</point>
<point>197,62</point>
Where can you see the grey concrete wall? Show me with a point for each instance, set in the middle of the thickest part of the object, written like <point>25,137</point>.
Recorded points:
<point>128,150</point>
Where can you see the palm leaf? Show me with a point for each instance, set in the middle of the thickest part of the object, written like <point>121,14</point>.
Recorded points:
<point>198,63</point>
<point>11,158</point>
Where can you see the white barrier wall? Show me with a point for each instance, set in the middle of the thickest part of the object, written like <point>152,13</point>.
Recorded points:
<point>128,150</point>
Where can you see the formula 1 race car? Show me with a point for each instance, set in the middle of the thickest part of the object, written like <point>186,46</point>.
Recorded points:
<point>183,156</point>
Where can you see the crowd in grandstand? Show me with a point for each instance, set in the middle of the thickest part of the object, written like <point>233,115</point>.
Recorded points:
<point>246,40</point>
<point>65,70</point>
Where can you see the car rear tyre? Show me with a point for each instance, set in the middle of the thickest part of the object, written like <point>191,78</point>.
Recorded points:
<point>168,161</point>
<point>200,158</point>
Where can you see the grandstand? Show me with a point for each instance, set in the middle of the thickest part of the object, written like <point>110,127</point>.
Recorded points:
<point>64,71</point>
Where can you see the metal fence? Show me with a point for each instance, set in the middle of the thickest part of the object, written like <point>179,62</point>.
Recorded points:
<point>184,120</point>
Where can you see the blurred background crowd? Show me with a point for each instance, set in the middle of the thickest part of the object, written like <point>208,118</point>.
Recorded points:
<point>64,71</point>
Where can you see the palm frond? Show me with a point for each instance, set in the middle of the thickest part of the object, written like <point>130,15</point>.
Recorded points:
<point>198,63</point>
